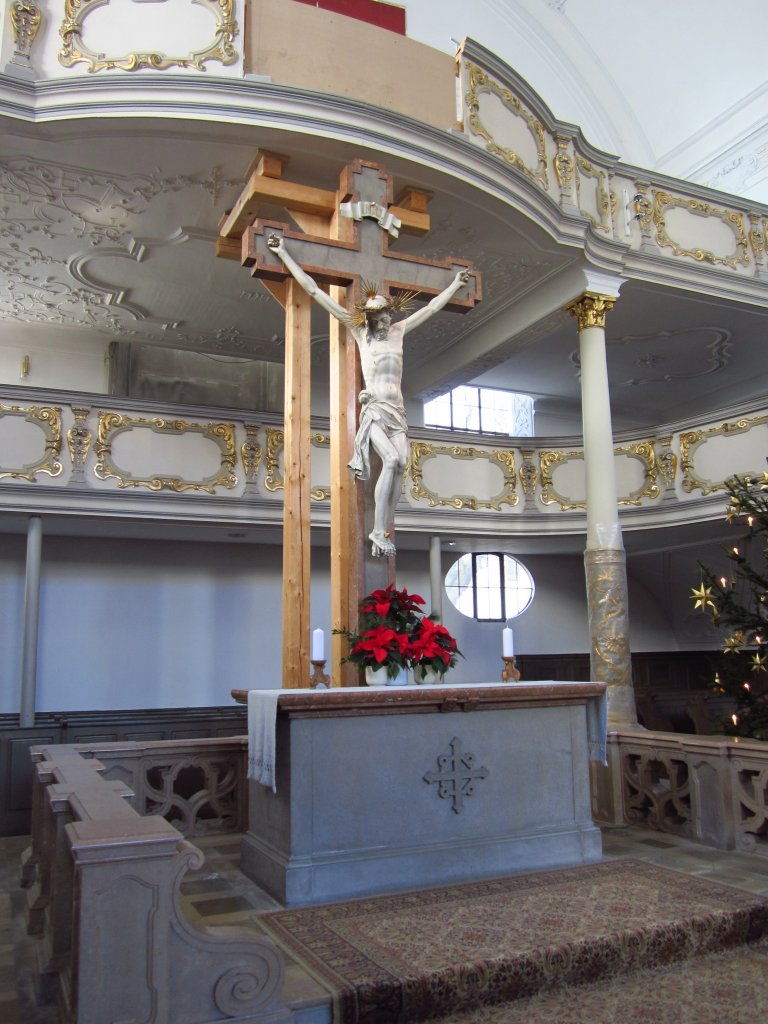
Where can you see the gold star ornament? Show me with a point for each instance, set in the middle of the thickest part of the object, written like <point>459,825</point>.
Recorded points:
<point>734,644</point>
<point>703,598</point>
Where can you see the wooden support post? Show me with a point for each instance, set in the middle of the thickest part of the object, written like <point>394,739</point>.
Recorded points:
<point>346,537</point>
<point>297,485</point>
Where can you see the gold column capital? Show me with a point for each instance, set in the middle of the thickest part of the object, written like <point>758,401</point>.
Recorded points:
<point>591,308</point>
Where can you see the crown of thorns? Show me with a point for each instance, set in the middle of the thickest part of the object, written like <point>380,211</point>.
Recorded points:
<point>402,303</point>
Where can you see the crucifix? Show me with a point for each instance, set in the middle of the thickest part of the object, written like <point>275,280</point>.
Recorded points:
<point>363,219</point>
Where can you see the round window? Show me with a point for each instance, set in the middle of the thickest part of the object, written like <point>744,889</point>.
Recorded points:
<point>489,587</point>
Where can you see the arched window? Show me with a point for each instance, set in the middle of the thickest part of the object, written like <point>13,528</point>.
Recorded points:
<point>489,587</point>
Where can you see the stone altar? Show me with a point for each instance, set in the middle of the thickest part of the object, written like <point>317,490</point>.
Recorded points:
<point>385,790</point>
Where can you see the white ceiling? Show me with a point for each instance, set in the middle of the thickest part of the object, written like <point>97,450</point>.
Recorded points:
<point>108,228</point>
<point>677,86</point>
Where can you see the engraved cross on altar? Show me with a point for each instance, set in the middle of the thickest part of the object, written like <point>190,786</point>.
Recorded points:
<point>345,240</point>
<point>457,775</point>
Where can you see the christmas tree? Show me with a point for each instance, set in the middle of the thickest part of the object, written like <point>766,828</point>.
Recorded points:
<point>739,603</point>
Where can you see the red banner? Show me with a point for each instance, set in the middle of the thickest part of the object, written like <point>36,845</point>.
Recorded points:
<point>385,15</point>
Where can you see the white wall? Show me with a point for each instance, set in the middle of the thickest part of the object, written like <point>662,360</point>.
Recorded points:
<point>135,624</point>
<point>67,364</point>
<point>12,557</point>
<point>144,624</point>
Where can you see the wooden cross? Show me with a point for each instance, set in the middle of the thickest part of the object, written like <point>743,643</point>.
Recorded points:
<point>367,192</point>
<point>359,251</point>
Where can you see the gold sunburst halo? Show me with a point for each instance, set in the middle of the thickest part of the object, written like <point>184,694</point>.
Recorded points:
<point>401,304</point>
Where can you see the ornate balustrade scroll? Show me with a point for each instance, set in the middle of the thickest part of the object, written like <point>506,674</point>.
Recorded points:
<point>713,789</point>
<point>48,420</point>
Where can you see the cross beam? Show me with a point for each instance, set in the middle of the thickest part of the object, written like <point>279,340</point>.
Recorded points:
<point>266,185</point>
<point>366,256</point>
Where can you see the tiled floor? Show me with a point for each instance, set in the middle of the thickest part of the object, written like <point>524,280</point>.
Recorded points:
<point>17,952</point>
<point>219,894</point>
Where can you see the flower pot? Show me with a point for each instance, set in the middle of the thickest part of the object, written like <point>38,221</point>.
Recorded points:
<point>379,677</point>
<point>427,676</point>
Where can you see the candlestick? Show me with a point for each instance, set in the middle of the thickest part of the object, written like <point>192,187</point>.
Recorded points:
<point>507,642</point>
<point>318,645</point>
<point>510,672</point>
<point>319,680</point>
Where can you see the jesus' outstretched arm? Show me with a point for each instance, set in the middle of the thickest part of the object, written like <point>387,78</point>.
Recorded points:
<point>310,286</point>
<point>436,304</point>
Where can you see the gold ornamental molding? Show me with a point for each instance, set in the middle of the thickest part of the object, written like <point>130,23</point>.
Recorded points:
<point>275,442</point>
<point>548,463</point>
<point>322,493</point>
<point>26,17</point>
<point>481,84</point>
<point>421,452</point>
<point>664,202</point>
<point>251,452</point>
<point>274,479</point>
<point>757,238</point>
<point>528,473</point>
<point>643,452</point>
<point>591,309</point>
<point>74,50</point>
<point>79,439</point>
<point>564,167</point>
<point>666,460</point>
<point>112,424</point>
<point>584,169</point>
<point>643,208</point>
<point>692,440</point>
<point>48,419</point>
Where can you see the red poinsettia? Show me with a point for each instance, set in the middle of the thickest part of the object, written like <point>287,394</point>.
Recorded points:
<point>394,632</point>
<point>379,643</point>
<point>433,647</point>
<point>397,606</point>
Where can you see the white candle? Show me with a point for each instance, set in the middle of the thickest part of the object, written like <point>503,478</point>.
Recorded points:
<point>318,645</point>
<point>508,644</point>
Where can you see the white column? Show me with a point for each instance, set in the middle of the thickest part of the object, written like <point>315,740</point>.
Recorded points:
<point>603,529</point>
<point>30,625</point>
<point>604,558</point>
<point>436,578</point>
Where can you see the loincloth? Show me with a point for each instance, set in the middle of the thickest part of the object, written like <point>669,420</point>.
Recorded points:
<point>391,419</point>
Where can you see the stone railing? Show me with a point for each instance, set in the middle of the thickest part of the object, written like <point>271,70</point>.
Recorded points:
<point>197,785</point>
<point>712,789</point>
<point>104,893</point>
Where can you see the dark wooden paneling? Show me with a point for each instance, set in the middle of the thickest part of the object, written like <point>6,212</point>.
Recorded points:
<point>559,667</point>
<point>664,682</point>
<point>652,671</point>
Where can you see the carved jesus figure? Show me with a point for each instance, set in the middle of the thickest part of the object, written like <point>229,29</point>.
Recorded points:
<point>382,424</point>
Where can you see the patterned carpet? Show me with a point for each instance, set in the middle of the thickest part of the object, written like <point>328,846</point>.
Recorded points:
<point>404,957</point>
<point>716,988</point>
